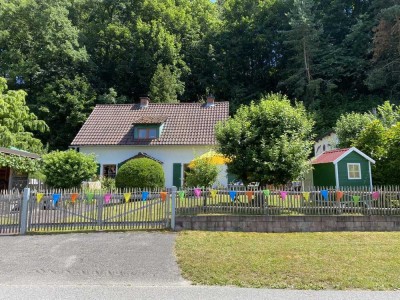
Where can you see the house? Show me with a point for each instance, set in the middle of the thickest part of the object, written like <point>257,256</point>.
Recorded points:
<point>325,142</point>
<point>342,168</point>
<point>172,134</point>
<point>11,178</point>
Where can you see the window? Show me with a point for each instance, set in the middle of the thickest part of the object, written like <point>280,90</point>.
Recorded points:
<point>109,171</point>
<point>152,133</point>
<point>354,171</point>
<point>147,133</point>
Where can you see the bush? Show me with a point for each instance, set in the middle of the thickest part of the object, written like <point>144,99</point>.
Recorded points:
<point>67,169</point>
<point>140,173</point>
<point>107,183</point>
<point>202,174</point>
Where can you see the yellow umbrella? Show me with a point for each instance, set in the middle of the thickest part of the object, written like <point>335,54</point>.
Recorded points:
<point>213,157</point>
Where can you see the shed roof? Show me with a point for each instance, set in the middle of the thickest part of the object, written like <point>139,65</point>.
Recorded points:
<point>184,124</point>
<point>18,152</point>
<point>328,156</point>
<point>334,156</point>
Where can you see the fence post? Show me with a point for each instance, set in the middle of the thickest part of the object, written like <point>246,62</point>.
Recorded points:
<point>100,203</point>
<point>24,211</point>
<point>173,203</point>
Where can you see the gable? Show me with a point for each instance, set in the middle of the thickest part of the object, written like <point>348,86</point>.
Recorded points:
<point>354,158</point>
<point>350,152</point>
<point>182,124</point>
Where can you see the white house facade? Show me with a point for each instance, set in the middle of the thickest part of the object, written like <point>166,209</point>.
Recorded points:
<point>326,143</point>
<point>171,134</point>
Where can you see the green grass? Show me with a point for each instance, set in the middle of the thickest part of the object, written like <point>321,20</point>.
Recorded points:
<point>354,260</point>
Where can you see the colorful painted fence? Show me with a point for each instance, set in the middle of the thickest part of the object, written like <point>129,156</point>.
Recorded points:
<point>283,201</point>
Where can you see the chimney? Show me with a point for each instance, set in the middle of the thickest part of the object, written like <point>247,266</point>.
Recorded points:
<point>210,101</point>
<point>144,101</point>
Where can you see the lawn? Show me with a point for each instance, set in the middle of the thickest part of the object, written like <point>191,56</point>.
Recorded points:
<point>354,260</point>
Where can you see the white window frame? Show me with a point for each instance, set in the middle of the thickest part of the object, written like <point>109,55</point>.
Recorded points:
<point>348,171</point>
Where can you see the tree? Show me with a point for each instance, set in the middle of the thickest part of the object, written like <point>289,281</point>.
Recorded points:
<point>305,41</point>
<point>390,169</point>
<point>376,135</point>
<point>202,174</point>
<point>38,42</point>
<point>349,126</point>
<point>165,86</point>
<point>65,104</point>
<point>17,122</point>
<point>140,173</point>
<point>372,140</point>
<point>267,142</point>
<point>244,53</point>
<point>384,75</point>
<point>67,169</point>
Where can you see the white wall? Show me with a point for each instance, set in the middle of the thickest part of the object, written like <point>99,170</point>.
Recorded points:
<point>166,154</point>
<point>327,143</point>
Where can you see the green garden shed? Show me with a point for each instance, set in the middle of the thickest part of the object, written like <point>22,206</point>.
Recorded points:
<point>342,168</point>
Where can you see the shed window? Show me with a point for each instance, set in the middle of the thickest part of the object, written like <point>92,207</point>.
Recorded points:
<point>354,171</point>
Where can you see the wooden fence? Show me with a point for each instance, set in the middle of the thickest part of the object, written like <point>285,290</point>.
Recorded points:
<point>61,210</point>
<point>289,201</point>
<point>10,213</point>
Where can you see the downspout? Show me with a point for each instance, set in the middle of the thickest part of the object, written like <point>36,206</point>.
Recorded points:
<point>337,176</point>
<point>370,175</point>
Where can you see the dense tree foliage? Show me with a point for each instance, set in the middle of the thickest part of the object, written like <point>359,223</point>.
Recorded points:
<point>17,122</point>
<point>333,55</point>
<point>67,169</point>
<point>267,142</point>
<point>377,135</point>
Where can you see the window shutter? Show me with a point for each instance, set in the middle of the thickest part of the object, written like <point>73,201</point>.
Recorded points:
<point>98,169</point>
<point>177,175</point>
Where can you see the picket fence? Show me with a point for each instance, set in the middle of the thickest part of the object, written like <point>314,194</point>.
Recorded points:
<point>71,210</point>
<point>272,200</point>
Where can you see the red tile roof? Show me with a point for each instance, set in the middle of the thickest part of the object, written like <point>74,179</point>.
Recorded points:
<point>185,124</point>
<point>151,120</point>
<point>328,156</point>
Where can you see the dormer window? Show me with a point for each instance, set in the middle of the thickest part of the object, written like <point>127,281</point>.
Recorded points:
<point>149,127</point>
<point>147,133</point>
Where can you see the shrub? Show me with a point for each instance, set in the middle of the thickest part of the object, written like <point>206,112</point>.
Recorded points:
<point>67,169</point>
<point>140,173</point>
<point>107,183</point>
<point>202,174</point>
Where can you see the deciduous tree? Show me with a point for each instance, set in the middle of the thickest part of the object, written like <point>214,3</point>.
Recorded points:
<point>267,142</point>
<point>17,122</point>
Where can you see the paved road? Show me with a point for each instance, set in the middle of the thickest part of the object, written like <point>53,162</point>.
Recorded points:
<point>119,266</point>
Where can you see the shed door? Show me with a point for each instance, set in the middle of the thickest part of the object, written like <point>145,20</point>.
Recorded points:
<point>177,175</point>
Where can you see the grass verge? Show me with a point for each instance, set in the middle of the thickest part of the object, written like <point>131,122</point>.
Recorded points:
<point>337,260</point>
